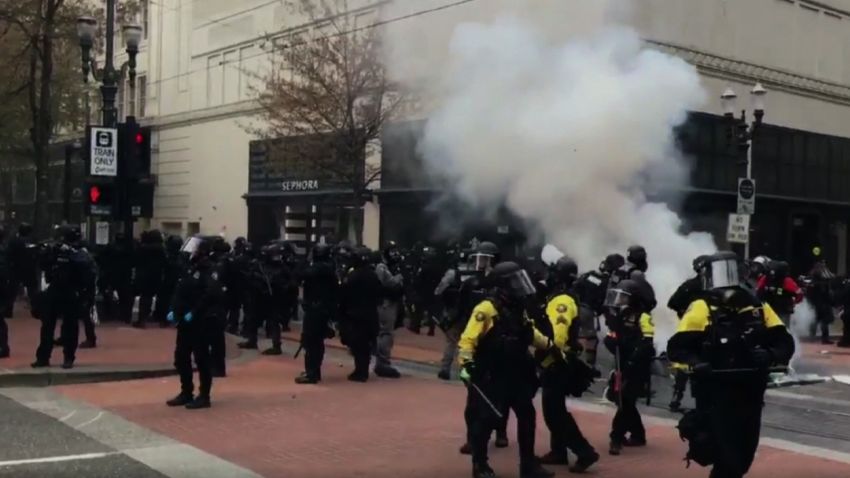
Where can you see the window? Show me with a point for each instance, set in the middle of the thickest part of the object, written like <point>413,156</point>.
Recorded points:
<point>143,96</point>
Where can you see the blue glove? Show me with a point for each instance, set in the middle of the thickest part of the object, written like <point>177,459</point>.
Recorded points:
<point>170,317</point>
<point>188,317</point>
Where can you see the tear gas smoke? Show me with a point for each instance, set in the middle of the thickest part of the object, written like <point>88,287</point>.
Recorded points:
<point>801,322</point>
<point>547,107</point>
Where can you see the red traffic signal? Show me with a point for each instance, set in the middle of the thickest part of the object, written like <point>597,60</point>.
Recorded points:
<point>140,139</point>
<point>94,194</point>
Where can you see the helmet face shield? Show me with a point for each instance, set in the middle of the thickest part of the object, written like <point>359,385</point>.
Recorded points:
<point>720,274</point>
<point>617,298</point>
<point>480,262</point>
<point>191,245</point>
<point>520,284</point>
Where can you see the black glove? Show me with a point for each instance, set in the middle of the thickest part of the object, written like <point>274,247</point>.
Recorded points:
<point>762,358</point>
<point>702,368</point>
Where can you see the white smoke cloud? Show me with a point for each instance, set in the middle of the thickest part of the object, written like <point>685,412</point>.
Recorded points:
<point>566,129</point>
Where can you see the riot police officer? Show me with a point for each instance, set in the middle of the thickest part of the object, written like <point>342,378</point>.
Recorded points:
<point>238,265</point>
<point>116,262</point>
<point>175,265</point>
<point>731,340</point>
<point>630,340</point>
<point>687,292</point>
<point>563,373</point>
<point>197,293</point>
<point>321,295</point>
<point>590,289</point>
<point>499,369</point>
<point>70,273</point>
<point>389,310</point>
<point>473,290</point>
<point>23,266</point>
<point>360,295</point>
<point>269,284</point>
<point>150,266</point>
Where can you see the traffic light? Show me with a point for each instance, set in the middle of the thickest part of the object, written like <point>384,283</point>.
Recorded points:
<point>134,150</point>
<point>100,198</point>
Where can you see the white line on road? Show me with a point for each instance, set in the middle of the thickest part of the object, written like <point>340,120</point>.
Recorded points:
<point>57,459</point>
<point>89,422</point>
<point>73,412</point>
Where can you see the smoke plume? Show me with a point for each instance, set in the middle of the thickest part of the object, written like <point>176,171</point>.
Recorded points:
<point>554,110</point>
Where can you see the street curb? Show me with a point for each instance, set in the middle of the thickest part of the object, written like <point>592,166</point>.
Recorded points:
<point>51,377</point>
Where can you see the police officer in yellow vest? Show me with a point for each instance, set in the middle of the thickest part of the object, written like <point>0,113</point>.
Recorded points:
<point>563,372</point>
<point>630,340</point>
<point>499,370</point>
<point>731,340</point>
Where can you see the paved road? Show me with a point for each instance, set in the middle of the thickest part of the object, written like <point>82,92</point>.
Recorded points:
<point>43,435</point>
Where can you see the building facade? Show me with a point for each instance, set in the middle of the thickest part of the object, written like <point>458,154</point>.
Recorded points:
<point>201,60</point>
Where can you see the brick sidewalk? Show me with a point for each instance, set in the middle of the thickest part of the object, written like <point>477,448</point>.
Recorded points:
<point>117,345</point>
<point>410,427</point>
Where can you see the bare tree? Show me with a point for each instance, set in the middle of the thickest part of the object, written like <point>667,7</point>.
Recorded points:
<point>327,97</point>
<point>41,87</point>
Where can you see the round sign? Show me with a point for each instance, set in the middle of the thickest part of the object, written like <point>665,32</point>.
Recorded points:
<point>747,189</point>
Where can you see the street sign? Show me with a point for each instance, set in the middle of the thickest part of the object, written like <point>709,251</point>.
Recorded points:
<point>739,228</point>
<point>101,234</point>
<point>103,152</point>
<point>746,196</point>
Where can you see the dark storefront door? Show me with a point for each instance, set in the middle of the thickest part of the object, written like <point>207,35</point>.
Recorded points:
<point>805,235</point>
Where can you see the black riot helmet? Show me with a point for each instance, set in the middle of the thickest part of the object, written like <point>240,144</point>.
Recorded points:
<point>565,271</point>
<point>24,230</point>
<point>637,256</point>
<point>392,253</point>
<point>321,253</point>
<point>173,244</point>
<point>360,256</point>
<point>611,263</point>
<point>272,253</point>
<point>239,245</point>
<point>484,257</point>
<point>69,234</point>
<point>511,282</point>
<point>624,299</point>
<point>699,262</point>
<point>720,271</point>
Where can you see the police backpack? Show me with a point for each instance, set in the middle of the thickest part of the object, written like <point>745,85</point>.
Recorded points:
<point>695,428</point>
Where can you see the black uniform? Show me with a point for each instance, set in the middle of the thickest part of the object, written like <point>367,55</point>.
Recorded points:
<point>589,291</point>
<point>821,298</point>
<point>150,267</point>
<point>321,296</point>
<point>116,279</point>
<point>360,294</point>
<point>198,293</point>
<point>730,339</point>
<point>269,283</point>
<point>175,265</point>
<point>23,266</point>
<point>70,273</point>
<point>237,266</point>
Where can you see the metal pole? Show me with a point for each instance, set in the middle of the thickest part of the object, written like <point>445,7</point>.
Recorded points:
<point>109,89</point>
<point>66,186</point>
<point>749,176</point>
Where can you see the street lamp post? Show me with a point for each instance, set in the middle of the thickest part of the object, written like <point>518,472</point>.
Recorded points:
<point>109,76</point>
<point>743,132</point>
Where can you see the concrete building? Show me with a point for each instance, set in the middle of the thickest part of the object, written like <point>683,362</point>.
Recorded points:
<point>201,57</point>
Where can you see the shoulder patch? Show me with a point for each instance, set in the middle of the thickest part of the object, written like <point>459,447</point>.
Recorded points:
<point>561,308</point>
<point>480,316</point>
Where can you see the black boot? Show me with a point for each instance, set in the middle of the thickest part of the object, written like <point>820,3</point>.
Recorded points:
<point>247,345</point>
<point>274,350</point>
<point>555,458</point>
<point>387,372</point>
<point>482,470</point>
<point>305,379</point>
<point>535,470</point>
<point>615,448</point>
<point>88,344</point>
<point>201,401</point>
<point>68,364</point>
<point>40,364</point>
<point>358,376</point>
<point>218,372</point>
<point>502,440</point>
<point>181,400</point>
<point>466,449</point>
<point>4,353</point>
<point>585,461</point>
